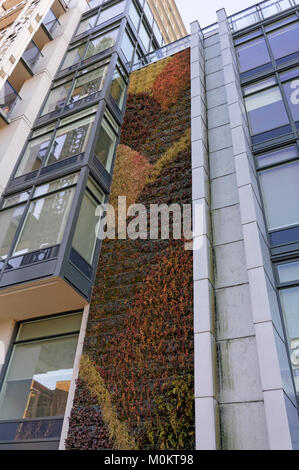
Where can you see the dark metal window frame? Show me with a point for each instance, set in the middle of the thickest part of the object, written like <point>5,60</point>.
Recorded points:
<point>14,342</point>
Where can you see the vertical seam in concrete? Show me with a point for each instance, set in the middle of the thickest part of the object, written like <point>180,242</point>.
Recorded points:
<point>206,405</point>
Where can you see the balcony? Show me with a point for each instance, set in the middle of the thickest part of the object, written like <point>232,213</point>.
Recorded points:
<point>50,23</point>
<point>31,55</point>
<point>259,12</point>
<point>8,99</point>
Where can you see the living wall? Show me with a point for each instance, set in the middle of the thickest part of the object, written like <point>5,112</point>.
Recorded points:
<point>135,389</point>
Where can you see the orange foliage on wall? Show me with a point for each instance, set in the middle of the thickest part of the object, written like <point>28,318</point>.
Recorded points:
<point>171,83</point>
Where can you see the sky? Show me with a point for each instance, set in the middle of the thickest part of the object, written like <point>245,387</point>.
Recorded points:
<point>205,10</point>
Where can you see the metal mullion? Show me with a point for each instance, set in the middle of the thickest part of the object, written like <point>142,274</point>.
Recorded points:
<point>45,338</point>
<point>269,48</point>
<point>17,234</point>
<point>286,103</point>
<point>54,132</point>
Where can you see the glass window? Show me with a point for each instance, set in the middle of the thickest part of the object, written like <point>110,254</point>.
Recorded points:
<point>266,111</point>
<point>290,307</point>
<point>105,145</point>
<point>253,54</point>
<point>285,41</point>
<point>111,12</point>
<point>280,190</point>
<point>127,47</point>
<point>276,156</point>
<point>101,43</point>
<point>89,83</point>
<point>291,89</point>
<point>70,140</point>
<point>118,88</point>
<point>288,272</point>
<point>134,15</point>
<point>56,98</point>
<point>45,222</point>
<point>34,155</point>
<point>87,24</point>
<point>40,371</point>
<point>73,56</point>
<point>9,223</point>
<point>144,36</point>
<point>85,237</point>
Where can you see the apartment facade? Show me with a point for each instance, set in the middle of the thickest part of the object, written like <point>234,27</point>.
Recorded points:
<point>106,343</point>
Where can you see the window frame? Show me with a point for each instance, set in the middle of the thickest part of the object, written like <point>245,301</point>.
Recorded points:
<point>8,356</point>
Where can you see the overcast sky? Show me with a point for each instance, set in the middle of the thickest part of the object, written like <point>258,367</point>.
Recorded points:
<point>205,10</point>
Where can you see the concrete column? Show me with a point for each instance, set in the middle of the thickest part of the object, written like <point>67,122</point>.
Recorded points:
<point>279,399</point>
<point>206,405</point>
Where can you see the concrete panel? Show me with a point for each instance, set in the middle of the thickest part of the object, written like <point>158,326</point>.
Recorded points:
<point>221,163</point>
<point>220,138</point>
<point>230,265</point>
<point>226,225</point>
<point>243,426</point>
<point>224,192</point>
<point>239,379</point>
<point>234,317</point>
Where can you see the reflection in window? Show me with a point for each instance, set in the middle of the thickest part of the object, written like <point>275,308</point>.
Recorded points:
<point>45,222</point>
<point>85,237</point>
<point>9,222</point>
<point>56,98</point>
<point>144,36</point>
<point>73,56</point>
<point>291,89</point>
<point>266,110</point>
<point>280,190</point>
<point>253,54</point>
<point>40,371</point>
<point>118,88</point>
<point>111,12</point>
<point>87,24</point>
<point>285,41</point>
<point>127,47</point>
<point>70,140</point>
<point>134,15</point>
<point>88,83</point>
<point>34,155</point>
<point>101,43</point>
<point>289,302</point>
<point>106,143</point>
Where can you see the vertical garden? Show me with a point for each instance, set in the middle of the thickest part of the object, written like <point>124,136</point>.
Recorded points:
<point>135,389</point>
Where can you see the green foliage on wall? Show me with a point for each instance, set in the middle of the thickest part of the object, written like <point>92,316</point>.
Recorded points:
<point>137,372</point>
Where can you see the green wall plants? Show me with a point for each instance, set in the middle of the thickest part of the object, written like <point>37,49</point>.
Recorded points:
<point>135,389</point>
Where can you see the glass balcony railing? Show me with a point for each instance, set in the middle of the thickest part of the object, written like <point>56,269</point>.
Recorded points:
<point>50,22</point>
<point>165,51</point>
<point>8,99</point>
<point>259,12</point>
<point>31,54</point>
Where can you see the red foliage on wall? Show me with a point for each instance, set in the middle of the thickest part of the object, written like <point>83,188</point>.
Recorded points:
<point>171,83</point>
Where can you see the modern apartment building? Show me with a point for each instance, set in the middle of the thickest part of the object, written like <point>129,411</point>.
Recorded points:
<point>145,338</point>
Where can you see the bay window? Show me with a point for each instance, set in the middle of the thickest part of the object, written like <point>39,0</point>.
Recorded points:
<point>68,140</point>
<point>35,389</point>
<point>119,86</point>
<point>47,216</point>
<point>111,12</point>
<point>41,223</point>
<point>106,142</point>
<point>85,237</point>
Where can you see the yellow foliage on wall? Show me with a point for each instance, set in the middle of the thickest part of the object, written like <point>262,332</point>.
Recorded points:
<point>170,155</point>
<point>117,430</point>
<point>141,82</point>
